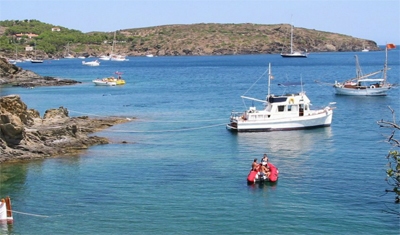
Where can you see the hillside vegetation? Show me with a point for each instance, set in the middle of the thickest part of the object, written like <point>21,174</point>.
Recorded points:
<point>194,39</point>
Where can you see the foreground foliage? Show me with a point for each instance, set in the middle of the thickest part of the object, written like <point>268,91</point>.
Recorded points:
<point>393,157</point>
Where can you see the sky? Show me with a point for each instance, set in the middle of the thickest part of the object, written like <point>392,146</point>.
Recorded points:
<point>376,20</point>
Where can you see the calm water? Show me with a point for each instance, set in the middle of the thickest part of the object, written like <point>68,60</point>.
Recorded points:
<point>182,172</point>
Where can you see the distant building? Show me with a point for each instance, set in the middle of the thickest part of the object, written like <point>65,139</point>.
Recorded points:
<point>55,29</point>
<point>28,48</point>
<point>29,35</point>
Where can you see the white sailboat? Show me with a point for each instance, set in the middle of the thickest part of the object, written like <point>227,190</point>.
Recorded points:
<point>16,60</point>
<point>116,57</point>
<point>104,57</point>
<point>36,60</point>
<point>68,55</point>
<point>284,112</point>
<point>364,84</point>
<point>365,49</point>
<point>293,54</point>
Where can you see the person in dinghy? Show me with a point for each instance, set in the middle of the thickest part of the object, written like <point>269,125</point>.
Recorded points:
<point>263,172</point>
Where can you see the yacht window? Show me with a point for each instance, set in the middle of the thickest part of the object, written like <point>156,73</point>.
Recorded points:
<point>281,108</point>
<point>289,108</point>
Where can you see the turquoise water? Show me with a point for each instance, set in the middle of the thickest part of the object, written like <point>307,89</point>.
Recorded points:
<point>182,172</point>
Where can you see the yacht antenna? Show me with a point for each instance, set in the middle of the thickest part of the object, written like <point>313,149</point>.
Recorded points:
<point>301,82</point>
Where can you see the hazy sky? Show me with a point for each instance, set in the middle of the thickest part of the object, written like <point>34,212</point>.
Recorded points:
<point>377,20</point>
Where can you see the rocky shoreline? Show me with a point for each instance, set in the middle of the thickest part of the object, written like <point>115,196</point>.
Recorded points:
<point>15,76</point>
<point>25,135</point>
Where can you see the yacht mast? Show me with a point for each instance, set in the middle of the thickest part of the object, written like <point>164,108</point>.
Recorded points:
<point>269,78</point>
<point>291,40</point>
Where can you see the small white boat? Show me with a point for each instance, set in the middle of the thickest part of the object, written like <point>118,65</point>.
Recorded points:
<point>118,58</point>
<point>365,49</point>
<point>36,61</point>
<point>365,85</point>
<point>91,63</point>
<point>81,57</point>
<point>149,55</point>
<point>104,82</point>
<point>69,56</point>
<point>104,57</point>
<point>285,112</point>
<point>6,211</point>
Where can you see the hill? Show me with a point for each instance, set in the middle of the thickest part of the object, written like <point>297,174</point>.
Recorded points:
<point>167,40</point>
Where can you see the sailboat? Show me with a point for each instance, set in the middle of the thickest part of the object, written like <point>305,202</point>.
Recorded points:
<point>116,57</point>
<point>68,56</point>
<point>16,60</point>
<point>36,60</point>
<point>292,53</point>
<point>365,49</point>
<point>364,85</point>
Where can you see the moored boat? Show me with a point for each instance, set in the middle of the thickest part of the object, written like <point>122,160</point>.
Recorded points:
<point>36,61</point>
<point>91,63</point>
<point>284,112</point>
<point>118,58</point>
<point>6,211</point>
<point>292,53</point>
<point>365,84</point>
<point>104,57</point>
<point>104,82</point>
<point>110,81</point>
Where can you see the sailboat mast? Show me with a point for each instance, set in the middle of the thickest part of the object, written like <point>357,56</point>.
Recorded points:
<point>291,40</point>
<point>269,78</point>
<point>359,73</point>
<point>385,65</point>
<point>113,44</point>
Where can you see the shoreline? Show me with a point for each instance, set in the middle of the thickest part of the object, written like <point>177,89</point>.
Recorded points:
<point>24,135</point>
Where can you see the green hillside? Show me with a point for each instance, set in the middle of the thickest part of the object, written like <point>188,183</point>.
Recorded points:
<point>195,39</point>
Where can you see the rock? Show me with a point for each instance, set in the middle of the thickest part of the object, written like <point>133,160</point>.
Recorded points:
<point>16,76</point>
<point>25,136</point>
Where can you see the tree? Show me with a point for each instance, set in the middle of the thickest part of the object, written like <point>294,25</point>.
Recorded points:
<point>393,157</point>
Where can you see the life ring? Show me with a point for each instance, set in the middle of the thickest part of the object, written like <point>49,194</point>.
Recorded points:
<point>291,101</point>
<point>372,86</point>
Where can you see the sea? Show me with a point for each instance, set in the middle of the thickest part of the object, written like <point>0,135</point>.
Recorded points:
<point>176,169</point>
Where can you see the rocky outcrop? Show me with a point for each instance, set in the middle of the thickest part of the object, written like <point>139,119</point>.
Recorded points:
<point>13,75</point>
<point>24,135</point>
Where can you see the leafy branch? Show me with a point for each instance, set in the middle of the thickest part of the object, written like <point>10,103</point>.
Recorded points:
<point>393,157</point>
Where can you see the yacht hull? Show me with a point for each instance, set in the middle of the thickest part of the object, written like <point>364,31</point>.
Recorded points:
<point>324,119</point>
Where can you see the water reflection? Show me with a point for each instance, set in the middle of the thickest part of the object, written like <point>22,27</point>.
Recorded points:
<point>289,143</point>
<point>6,228</point>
